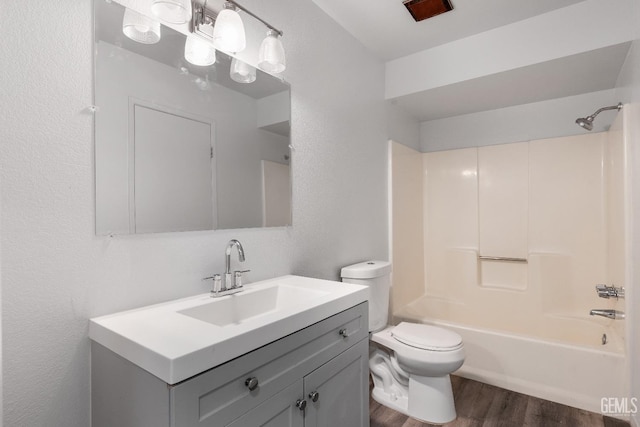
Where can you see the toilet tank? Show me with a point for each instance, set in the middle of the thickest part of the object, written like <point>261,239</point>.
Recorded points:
<point>377,276</point>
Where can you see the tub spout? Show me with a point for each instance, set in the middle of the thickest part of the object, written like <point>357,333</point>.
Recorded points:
<point>611,314</point>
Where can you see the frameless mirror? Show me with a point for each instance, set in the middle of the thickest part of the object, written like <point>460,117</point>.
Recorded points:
<point>181,147</point>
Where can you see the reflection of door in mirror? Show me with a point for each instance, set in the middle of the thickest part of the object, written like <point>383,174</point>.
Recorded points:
<point>172,161</point>
<point>276,188</point>
<point>155,113</point>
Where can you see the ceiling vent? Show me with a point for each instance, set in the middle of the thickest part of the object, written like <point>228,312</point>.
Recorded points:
<point>424,9</point>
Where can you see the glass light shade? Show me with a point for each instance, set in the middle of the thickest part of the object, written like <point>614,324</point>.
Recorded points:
<point>242,72</point>
<point>228,31</point>
<point>271,57</point>
<point>172,11</point>
<point>140,28</point>
<point>198,51</point>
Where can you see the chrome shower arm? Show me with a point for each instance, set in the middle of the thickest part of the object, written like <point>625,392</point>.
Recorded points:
<point>611,107</point>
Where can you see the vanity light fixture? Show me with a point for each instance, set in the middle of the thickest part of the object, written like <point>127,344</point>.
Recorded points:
<point>271,57</point>
<point>242,72</point>
<point>140,28</point>
<point>226,31</point>
<point>172,11</point>
<point>198,51</point>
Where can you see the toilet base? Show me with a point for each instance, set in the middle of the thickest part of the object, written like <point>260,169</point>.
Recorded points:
<point>431,399</point>
<point>426,399</point>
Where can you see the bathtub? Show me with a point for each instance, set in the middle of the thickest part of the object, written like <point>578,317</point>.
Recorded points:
<point>577,373</point>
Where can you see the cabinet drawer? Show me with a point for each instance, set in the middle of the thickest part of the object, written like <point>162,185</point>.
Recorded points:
<point>218,396</point>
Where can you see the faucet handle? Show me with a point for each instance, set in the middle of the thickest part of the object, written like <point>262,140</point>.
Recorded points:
<point>605,291</point>
<point>217,283</point>
<point>237,278</point>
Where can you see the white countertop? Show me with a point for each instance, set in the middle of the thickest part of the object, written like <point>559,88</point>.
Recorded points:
<point>174,346</point>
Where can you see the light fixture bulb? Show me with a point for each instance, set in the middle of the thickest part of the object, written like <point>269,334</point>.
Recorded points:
<point>228,31</point>
<point>242,72</point>
<point>140,28</point>
<point>172,11</point>
<point>199,52</point>
<point>271,57</point>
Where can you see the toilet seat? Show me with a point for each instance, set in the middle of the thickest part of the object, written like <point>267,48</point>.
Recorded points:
<point>426,337</point>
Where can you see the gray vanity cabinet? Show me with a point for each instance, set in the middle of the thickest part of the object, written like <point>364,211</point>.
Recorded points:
<point>337,386</point>
<point>332,394</point>
<point>280,410</point>
<point>315,377</point>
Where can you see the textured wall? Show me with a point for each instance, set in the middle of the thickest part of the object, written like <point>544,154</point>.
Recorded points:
<point>56,273</point>
<point>628,89</point>
<point>538,120</point>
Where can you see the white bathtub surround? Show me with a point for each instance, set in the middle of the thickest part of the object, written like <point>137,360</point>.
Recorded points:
<point>557,207</point>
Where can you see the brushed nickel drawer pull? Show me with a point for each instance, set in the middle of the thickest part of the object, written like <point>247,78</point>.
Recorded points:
<point>251,383</point>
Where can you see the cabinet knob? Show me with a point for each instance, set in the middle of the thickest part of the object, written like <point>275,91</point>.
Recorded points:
<point>251,383</point>
<point>314,395</point>
<point>343,333</point>
<point>301,404</point>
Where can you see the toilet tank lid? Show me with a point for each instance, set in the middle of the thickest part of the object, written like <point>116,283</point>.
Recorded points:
<point>366,270</point>
<point>426,337</point>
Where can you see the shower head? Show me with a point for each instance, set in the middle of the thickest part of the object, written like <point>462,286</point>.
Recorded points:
<point>587,122</point>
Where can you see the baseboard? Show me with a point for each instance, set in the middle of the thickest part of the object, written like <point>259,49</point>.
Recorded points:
<point>529,388</point>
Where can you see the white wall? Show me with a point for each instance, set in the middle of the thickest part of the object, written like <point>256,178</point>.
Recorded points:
<point>403,128</point>
<point>538,120</point>
<point>56,273</point>
<point>628,89</point>
<point>273,109</point>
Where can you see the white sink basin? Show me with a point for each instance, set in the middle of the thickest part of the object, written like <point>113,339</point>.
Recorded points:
<point>244,306</point>
<point>179,339</point>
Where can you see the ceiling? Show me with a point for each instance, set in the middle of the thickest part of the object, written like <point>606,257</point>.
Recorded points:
<point>387,29</point>
<point>571,75</point>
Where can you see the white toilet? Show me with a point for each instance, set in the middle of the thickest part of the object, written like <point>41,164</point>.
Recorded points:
<point>410,363</point>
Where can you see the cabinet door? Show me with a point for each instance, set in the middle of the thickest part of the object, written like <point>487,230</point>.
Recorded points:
<point>278,411</point>
<point>342,387</point>
<point>219,396</point>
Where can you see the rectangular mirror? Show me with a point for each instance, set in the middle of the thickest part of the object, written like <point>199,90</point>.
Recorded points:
<point>181,147</point>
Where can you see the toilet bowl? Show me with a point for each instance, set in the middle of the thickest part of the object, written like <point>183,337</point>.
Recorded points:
<point>409,363</point>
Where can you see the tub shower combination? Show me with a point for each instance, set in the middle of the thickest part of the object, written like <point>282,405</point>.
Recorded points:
<point>523,255</point>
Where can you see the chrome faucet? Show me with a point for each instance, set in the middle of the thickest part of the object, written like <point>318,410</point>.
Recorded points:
<point>611,314</point>
<point>227,274</point>
<point>232,283</point>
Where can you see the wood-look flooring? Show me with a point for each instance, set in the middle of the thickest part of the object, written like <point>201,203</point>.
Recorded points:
<point>483,405</point>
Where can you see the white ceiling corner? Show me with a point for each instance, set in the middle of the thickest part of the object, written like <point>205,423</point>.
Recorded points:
<point>387,29</point>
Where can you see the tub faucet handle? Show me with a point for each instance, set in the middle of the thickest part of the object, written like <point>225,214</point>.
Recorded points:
<point>605,291</point>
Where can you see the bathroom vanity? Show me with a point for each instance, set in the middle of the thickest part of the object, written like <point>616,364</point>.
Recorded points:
<point>315,373</point>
